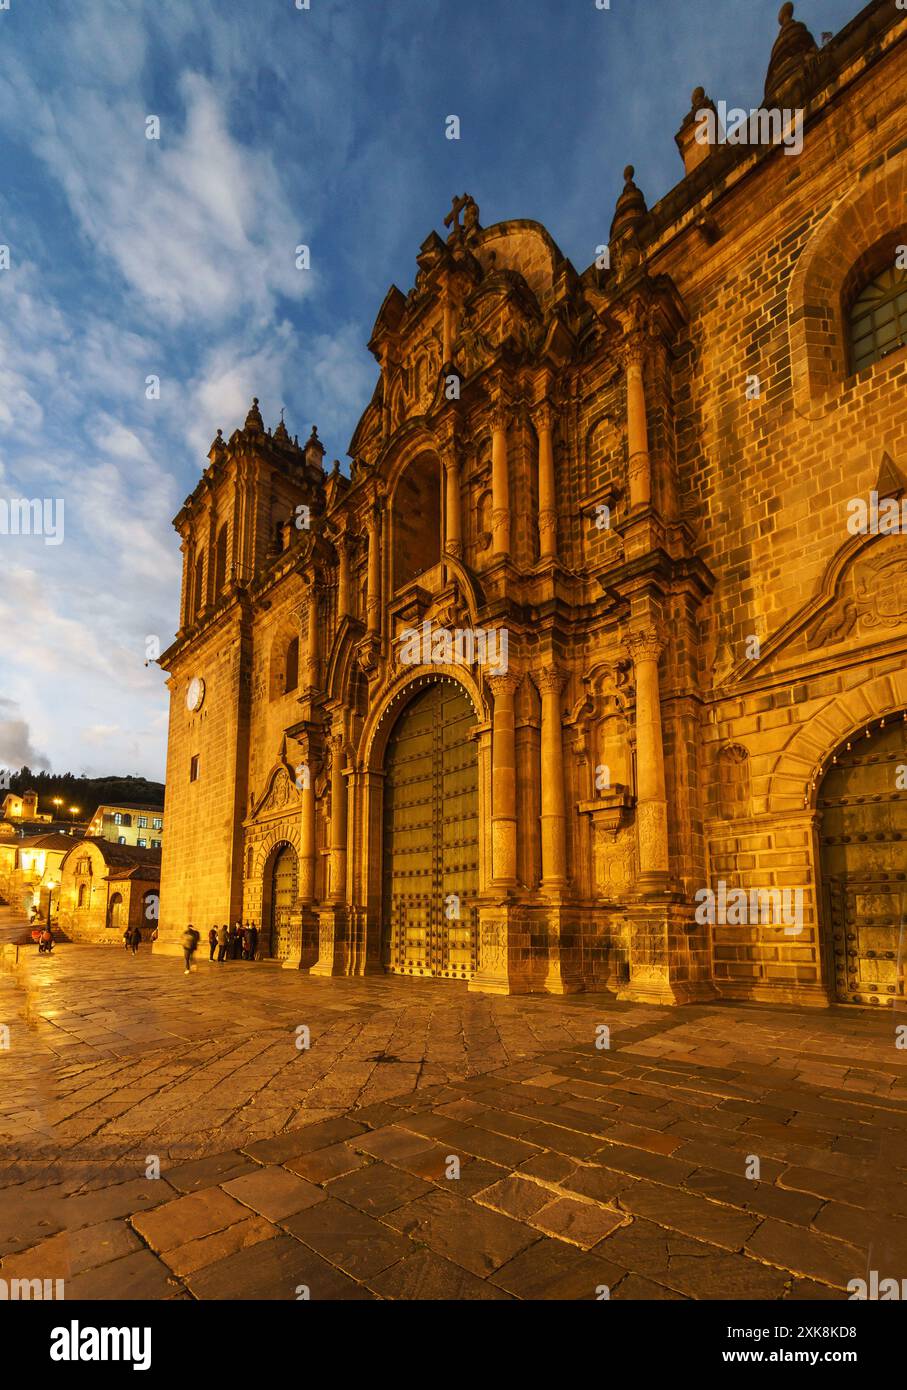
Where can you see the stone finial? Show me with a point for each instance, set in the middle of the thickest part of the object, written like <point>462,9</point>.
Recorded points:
<point>314,449</point>
<point>792,50</point>
<point>254,423</point>
<point>694,149</point>
<point>218,447</point>
<point>281,432</point>
<point>631,206</point>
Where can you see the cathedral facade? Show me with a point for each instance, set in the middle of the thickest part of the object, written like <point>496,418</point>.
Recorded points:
<point>590,672</point>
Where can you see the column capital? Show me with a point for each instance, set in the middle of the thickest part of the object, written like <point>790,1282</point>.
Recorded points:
<point>646,644</point>
<point>544,415</point>
<point>501,413</point>
<point>505,685</point>
<point>550,681</point>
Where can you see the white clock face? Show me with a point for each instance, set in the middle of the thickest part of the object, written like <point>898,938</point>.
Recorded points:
<point>195,694</point>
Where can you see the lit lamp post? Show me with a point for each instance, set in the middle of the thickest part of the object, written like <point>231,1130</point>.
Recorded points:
<point>74,811</point>
<point>51,885</point>
<point>58,802</point>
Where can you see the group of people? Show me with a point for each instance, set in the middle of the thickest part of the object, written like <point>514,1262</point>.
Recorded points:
<point>233,943</point>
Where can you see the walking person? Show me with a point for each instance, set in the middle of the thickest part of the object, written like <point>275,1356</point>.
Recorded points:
<point>190,946</point>
<point>135,939</point>
<point>212,942</point>
<point>223,942</point>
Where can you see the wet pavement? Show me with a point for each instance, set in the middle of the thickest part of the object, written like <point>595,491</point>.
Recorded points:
<point>248,1132</point>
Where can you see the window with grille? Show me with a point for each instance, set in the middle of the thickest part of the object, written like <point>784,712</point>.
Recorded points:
<point>878,319</point>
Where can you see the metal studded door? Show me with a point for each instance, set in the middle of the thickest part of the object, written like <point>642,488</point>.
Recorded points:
<point>283,896</point>
<point>864,865</point>
<point>431,837</point>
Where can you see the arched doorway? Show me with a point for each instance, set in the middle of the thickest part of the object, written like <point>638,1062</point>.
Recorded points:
<point>431,837</point>
<point>282,897</point>
<point>863,838</point>
<point>115,918</point>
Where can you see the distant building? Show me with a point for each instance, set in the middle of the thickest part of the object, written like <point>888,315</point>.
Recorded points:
<point>30,871</point>
<point>22,807</point>
<point>126,824</point>
<point>106,886</point>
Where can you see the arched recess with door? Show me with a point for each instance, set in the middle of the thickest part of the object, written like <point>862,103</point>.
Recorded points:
<point>280,878</point>
<point>116,916</point>
<point>430,835</point>
<point>862,826</point>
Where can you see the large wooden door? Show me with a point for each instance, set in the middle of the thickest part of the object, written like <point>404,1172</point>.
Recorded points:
<point>283,896</point>
<point>431,837</point>
<point>864,866</point>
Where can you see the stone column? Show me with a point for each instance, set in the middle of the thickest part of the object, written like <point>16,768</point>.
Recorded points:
<point>453,543</point>
<point>500,481</point>
<point>186,593</point>
<point>313,637</point>
<point>307,840</point>
<point>544,423</point>
<point>646,646</point>
<point>554,813</point>
<point>503,782</point>
<point>338,821</point>
<point>640,466</point>
<point>343,579</point>
<point>373,595</point>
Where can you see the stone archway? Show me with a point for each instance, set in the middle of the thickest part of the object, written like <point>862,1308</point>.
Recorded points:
<point>430,837</point>
<point>862,806</point>
<point>280,879</point>
<point>116,919</point>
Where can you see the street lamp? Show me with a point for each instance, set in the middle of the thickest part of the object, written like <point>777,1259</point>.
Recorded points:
<point>74,811</point>
<point>58,802</point>
<point>51,885</point>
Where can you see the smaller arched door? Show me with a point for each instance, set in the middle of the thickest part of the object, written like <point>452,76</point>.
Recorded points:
<point>283,897</point>
<point>115,919</point>
<point>863,806</point>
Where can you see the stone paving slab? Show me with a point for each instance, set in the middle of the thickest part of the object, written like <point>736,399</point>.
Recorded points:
<point>502,1157</point>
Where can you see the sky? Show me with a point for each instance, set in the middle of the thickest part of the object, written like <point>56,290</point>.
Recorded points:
<point>174,258</point>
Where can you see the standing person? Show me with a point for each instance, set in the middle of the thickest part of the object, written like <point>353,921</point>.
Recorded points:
<point>45,942</point>
<point>246,942</point>
<point>237,940</point>
<point>223,941</point>
<point>212,942</point>
<point>135,938</point>
<point>253,934</point>
<point>190,946</point>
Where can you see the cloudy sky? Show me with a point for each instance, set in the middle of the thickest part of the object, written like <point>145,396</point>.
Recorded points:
<point>131,257</point>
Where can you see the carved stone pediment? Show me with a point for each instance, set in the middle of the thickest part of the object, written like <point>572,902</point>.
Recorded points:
<point>280,794</point>
<point>862,600</point>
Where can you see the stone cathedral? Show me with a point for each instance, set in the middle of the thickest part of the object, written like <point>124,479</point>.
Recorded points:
<point>593,630</point>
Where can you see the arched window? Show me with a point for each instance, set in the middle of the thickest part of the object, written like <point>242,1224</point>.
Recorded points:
<point>292,679</point>
<point>198,593</point>
<point>878,319</point>
<point>417,520</point>
<point>83,891</point>
<point>220,560</point>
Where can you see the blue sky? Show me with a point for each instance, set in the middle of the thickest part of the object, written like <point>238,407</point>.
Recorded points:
<point>132,257</point>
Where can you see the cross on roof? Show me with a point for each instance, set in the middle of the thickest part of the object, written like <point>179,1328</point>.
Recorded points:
<point>452,219</point>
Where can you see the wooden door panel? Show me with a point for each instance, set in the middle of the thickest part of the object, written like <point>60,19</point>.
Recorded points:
<point>430,840</point>
<point>864,867</point>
